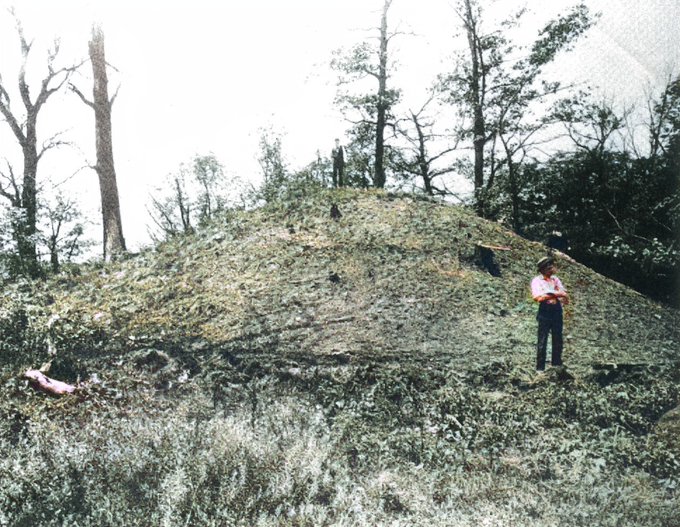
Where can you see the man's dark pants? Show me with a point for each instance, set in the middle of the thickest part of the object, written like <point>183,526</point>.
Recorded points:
<point>338,169</point>
<point>549,322</point>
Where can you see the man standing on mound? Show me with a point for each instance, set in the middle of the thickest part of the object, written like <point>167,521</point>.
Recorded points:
<point>338,156</point>
<point>548,291</point>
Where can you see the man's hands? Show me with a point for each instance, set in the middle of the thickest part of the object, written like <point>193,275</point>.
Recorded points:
<point>561,296</point>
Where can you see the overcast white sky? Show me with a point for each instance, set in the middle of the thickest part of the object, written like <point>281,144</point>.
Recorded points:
<point>203,76</point>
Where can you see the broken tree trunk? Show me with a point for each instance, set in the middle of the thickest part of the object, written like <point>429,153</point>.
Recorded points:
<point>484,256</point>
<point>40,381</point>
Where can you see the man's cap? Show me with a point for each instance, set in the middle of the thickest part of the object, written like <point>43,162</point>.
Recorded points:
<point>544,263</point>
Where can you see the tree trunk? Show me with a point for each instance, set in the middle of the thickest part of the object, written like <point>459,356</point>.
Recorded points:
<point>114,243</point>
<point>24,129</point>
<point>476,96</point>
<point>514,196</point>
<point>423,165</point>
<point>54,254</point>
<point>513,182</point>
<point>379,177</point>
<point>27,227</point>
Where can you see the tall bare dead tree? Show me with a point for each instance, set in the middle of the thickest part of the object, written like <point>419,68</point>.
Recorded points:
<point>476,95</point>
<point>23,195</point>
<point>113,240</point>
<point>383,103</point>
<point>425,155</point>
<point>362,61</point>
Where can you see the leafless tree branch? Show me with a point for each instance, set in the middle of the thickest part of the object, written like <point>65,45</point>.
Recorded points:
<point>75,90</point>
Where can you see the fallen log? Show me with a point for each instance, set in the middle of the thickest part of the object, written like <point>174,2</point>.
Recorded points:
<point>40,381</point>
<point>494,247</point>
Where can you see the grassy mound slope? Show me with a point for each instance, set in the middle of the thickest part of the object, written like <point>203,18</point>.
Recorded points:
<point>394,277</point>
<point>286,368</point>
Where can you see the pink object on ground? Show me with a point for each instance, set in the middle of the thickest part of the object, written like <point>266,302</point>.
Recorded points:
<point>39,380</point>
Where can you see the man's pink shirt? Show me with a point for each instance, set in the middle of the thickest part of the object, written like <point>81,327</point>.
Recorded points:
<point>541,286</point>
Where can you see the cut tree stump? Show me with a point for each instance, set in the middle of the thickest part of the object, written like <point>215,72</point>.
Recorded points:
<point>484,256</point>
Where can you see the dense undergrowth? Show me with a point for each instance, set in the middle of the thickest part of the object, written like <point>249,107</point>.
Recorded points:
<point>283,368</point>
<point>343,445</point>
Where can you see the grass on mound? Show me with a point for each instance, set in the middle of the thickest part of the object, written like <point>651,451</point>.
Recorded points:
<point>394,277</point>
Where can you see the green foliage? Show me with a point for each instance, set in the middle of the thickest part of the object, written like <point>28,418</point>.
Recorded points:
<point>665,124</point>
<point>559,34</point>
<point>169,470</point>
<point>618,209</point>
<point>63,231</point>
<point>197,193</point>
<point>360,153</point>
<point>617,212</point>
<point>13,235</point>
<point>21,339</point>
<point>278,182</point>
<point>59,239</point>
<point>273,166</point>
<point>501,87</point>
